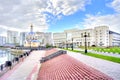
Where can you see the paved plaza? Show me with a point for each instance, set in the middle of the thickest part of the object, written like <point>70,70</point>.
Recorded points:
<point>71,66</point>
<point>110,68</point>
<point>64,67</point>
<point>26,70</point>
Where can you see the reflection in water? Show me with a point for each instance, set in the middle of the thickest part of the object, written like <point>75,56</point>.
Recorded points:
<point>5,55</point>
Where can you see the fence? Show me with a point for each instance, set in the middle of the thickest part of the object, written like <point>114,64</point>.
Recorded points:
<point>11,63</point>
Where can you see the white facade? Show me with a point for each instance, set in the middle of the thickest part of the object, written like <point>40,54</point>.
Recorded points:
<point>48,38</point>
<point>44,38</point>
<point>2,40</point>
<point>114,38</point>
<point>12,37</point>
<point>79,39</point>
<point>22,38</point>
<point>59,38</point>
<point>99,36</point>
<point>102,36</point>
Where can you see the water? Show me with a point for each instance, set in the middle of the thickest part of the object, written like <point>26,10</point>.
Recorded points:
<point>5,55</point>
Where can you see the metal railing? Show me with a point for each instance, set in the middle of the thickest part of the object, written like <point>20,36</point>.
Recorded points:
<point>8,65</point>
<point>60,52</point>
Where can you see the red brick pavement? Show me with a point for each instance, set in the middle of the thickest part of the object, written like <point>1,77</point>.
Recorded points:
<point>48,52</point>
<point>65,67</point>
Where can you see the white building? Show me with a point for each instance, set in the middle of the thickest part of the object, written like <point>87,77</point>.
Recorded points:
<point>12,37</point>
<point>79,39</point>
<point>22,38</point>
<point>114,38</point>
<point>59,39</point>
<point>2,40</point>
<point>48,38</point>
<point>44,38</point>
<point>99,36</point>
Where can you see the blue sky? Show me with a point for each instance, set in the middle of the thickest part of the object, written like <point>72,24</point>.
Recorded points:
<point>58,15</point>
<point>96,7</point>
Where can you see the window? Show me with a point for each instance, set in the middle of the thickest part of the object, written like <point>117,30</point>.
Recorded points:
<point>88,34</point>
<point>81,34</point>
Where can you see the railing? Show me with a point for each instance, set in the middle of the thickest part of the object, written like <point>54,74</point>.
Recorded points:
<point>60,52</point>
<point>11,63</point>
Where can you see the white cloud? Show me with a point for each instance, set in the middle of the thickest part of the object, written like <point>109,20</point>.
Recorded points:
<point>68,7</point>
<point>21,13</point>
<point>113,21</point>
<point>115,4</point>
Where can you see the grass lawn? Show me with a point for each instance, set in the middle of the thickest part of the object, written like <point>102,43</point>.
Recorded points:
<point>109,58</point>
<point>101,49</point>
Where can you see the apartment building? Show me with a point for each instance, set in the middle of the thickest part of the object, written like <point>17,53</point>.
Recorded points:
<point>22,38</point>
<point>99,36</point>
<point>12,37</point>
<point>2,40</point>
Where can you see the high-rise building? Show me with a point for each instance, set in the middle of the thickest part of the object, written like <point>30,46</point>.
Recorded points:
<point>22,38</point>
<point>12,37</point>
<point>2,40</point>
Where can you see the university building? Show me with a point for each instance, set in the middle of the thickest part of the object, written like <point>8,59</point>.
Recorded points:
<point>99,36</point>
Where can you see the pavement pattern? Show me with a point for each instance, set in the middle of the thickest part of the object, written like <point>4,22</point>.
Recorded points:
<point>110,68</point>
<point>64,67</point>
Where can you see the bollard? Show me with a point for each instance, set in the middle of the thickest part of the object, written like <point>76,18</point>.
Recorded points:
<point>16,59</point>
<point>1,67</point>
<point>8,64</point>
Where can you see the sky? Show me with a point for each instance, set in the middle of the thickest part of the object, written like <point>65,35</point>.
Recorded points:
<point>58,15</point>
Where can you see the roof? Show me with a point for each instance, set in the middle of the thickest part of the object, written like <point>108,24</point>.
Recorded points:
<point>112,32</point>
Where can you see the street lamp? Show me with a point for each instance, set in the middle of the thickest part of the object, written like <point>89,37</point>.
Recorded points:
<point>85,43</point>
<point>30,44</point>
<point>72,43</point>
<point>66,45</point>
<point>14,40</point>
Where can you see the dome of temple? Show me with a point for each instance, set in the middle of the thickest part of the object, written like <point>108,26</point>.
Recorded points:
<point>31,33</point>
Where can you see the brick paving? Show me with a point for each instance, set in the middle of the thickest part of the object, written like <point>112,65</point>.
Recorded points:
<point>64,67</point>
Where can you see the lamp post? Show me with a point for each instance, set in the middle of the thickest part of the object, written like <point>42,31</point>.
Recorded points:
<point>66,45</point>
<point>85,43</point>
<point>14,40</point>
<point>30,44</point>
<point>66,42</point>
<point>72,43</point>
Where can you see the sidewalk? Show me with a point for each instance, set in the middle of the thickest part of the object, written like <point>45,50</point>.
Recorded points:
<point>110,68</point>
<point>26,70</point>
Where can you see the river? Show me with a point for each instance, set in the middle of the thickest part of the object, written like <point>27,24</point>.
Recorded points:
<point>5,55</point>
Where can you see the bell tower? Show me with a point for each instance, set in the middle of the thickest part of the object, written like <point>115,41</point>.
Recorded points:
<point>31,28</point>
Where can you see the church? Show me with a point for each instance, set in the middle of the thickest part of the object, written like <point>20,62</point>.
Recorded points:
<point>32,39</point>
